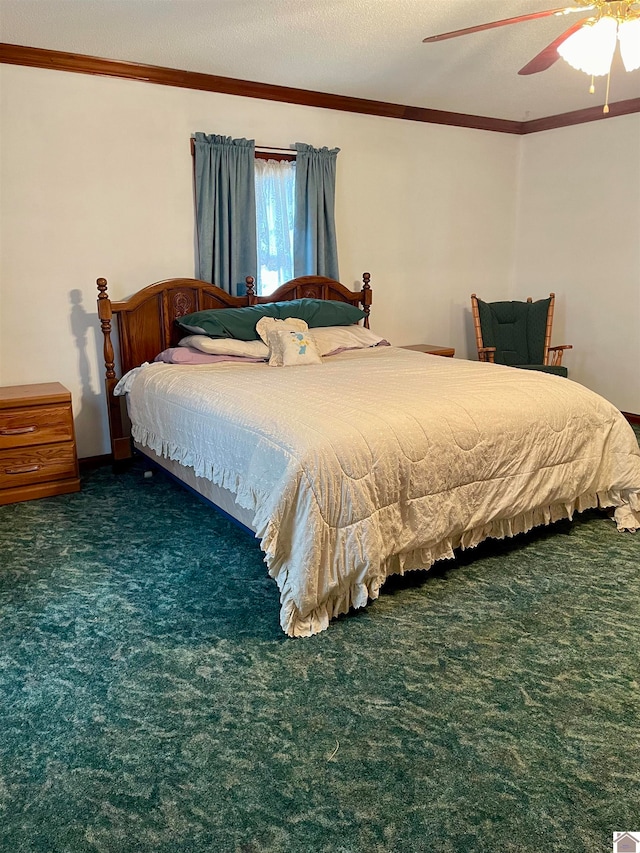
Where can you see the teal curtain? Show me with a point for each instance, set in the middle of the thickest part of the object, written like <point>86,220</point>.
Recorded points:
<point>225,210</point>
<point>315,250</point>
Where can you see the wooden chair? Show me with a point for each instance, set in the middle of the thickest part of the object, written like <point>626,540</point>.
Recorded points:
<point>518,334</point>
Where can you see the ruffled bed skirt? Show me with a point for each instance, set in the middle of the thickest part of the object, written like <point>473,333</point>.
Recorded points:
<point>626,516</point>
<point>356,594</point>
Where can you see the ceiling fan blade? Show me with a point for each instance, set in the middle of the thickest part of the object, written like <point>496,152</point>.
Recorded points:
<point>549,55</point>
<point>505,22</point>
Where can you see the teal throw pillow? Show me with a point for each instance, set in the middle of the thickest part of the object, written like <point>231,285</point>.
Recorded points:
<point>240,323</point>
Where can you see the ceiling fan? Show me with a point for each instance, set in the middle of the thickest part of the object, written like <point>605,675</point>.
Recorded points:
<point>588,44</point>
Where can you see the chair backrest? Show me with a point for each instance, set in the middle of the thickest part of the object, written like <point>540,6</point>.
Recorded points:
<point>520,331</point>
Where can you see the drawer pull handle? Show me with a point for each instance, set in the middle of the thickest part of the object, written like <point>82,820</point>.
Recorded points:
<point>22,469</point>
<point>19,430</point>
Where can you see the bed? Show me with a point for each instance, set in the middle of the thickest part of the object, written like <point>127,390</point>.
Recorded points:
<point>375,461</point>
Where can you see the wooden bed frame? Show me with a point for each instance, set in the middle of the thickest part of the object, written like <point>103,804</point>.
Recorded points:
<point>145,326</point>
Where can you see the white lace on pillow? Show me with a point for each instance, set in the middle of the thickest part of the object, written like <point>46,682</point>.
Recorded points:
<point>288,347</point>
<point>271,324</point>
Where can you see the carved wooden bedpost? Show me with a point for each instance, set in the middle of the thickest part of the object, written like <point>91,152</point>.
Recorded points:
<point>120,434</point>
<point>105,315</point>
<point>251,294</point>
<point>366,299</point>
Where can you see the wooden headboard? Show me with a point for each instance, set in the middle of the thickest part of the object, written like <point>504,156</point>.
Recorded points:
<point>146,325</point>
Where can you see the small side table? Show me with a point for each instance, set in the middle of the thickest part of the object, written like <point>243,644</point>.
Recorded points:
<point>37,442</point>
<point>432,349</point>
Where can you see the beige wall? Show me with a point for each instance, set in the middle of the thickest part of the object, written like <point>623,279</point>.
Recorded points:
<point>579,236</point>
<point>95,180</point>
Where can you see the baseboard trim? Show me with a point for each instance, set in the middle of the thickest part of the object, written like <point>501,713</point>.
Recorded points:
<point>88,462</point>
<point>633,419</point>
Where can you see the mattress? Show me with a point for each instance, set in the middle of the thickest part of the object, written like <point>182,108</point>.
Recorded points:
<point>383,460</point>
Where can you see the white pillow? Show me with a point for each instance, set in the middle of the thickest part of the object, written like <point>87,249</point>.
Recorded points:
<point>271,324</point>
<point>226,346</point>
<point>288,347</point>
<point>328,339</point>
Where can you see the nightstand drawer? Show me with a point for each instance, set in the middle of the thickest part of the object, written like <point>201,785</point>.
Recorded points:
<point>27,465</point>
<point>37,442</point>
<point>30,425</point>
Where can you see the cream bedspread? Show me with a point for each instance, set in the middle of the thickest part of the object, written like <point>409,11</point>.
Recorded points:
<point>383,460</point>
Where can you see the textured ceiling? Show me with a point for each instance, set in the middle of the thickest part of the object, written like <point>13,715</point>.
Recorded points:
<point>363,48</point>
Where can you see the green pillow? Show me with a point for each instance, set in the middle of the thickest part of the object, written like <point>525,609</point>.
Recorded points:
<point>240,323</point>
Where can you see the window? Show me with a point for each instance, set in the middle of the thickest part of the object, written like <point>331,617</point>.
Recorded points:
<point>266,213</point>
<point>275,207</point>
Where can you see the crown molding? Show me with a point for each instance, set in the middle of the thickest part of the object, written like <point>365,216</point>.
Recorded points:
<point>620,108</point>
<point>56,60</point>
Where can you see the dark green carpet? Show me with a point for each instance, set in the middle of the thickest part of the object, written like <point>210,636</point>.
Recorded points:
<point>150,702</point>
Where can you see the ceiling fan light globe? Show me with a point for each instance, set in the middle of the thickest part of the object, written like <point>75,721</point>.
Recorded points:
<point>591,48</point>
<point>629,38</point>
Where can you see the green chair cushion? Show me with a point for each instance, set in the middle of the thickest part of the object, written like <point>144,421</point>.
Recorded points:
<point>515,329</point>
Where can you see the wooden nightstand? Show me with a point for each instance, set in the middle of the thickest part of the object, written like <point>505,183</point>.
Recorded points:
<point>37,442</point>
<point>432,349</point>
